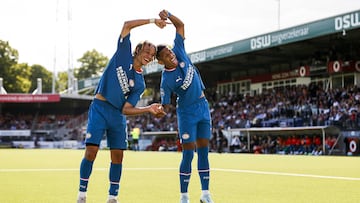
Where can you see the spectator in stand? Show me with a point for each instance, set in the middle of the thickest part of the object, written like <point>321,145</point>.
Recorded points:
<point>308,144</point>
<point>288,145</point>
<point>298,145</point>
<point>353,120</point>
<point>255,145</point>
<point>220,140</point>
<point>235,144</point>
<point>317,145</point>
<point>330,142</point>
<point>280,145</point>
<point>213,140</point>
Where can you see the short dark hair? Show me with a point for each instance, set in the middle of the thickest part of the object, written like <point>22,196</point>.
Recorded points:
<point>159,48</point>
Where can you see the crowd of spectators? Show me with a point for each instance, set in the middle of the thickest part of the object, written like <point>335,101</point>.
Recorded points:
<point>43,127</point>
<point>289,106</point>
<point>15,122</point>
<point>10,121</point>
<point>293,106</point>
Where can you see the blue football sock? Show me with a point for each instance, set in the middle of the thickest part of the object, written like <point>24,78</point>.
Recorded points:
<point>85,172</point>
<point>203,167</point>
<point>185,169</point>
<point>114,177</point>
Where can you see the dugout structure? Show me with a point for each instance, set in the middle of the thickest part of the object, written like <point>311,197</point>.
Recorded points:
<point>311,131</point>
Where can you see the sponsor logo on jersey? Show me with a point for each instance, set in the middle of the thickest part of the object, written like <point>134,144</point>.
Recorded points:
<point>188,78</point>
<point>123,80</point>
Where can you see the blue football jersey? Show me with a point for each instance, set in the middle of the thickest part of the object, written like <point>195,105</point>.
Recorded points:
<point>120,82</point>
<point>185,80</point>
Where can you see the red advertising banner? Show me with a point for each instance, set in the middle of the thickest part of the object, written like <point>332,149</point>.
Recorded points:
<point>29,98</point>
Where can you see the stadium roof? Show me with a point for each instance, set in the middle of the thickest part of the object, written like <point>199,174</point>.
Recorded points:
<point>45,103</point>
<point>277,51</point>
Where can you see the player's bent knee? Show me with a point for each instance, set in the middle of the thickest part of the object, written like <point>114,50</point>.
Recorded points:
<point>188,146</point>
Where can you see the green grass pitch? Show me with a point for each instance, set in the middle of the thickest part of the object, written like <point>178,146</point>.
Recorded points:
<point>52,176</point>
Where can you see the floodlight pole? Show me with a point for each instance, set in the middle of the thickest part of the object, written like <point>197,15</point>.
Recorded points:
<point>70,64</point>
<point>278,14</point>
<point>54,68</point>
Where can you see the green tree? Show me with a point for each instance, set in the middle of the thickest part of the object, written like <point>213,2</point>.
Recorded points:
<point>62,81</point>
<point>92,64</point>
<point>38,71</point>
<point>8,58</point>
<point>17,78</point>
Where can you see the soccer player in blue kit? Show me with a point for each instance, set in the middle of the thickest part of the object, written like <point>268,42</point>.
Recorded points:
<point>116,96</point>
<point>181,77</point>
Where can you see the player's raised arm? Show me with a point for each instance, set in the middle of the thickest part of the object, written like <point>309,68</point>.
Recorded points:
<point>179,25</point>
<point>128,25</point>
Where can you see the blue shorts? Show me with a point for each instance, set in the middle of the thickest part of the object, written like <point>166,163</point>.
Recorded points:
<point>105,119</point>
<point>194,121</point>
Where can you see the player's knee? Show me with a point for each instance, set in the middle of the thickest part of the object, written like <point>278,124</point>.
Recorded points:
<point>116,156</point>
<point>202,142</point>
<point>188,146</point>
<point>90,152</point>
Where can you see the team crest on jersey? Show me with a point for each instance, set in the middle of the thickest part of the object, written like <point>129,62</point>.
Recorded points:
<point>182,64</point>
<point>131,83</point>
<point>88,135</point>
<point>185,136</point>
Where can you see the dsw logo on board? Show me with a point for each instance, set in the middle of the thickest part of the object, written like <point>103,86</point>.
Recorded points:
<point>260,42</point>
<point>347,21</point>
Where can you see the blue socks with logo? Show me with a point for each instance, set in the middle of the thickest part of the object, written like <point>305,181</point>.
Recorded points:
<point>185,169</point>
<point>85,172</point>
<point>203,167</point>
<point>114,178</point>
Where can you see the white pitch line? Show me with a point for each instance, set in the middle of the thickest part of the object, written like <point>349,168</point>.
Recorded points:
<point>286,174</point>
<point>77,169</point>
<point>213,169</point>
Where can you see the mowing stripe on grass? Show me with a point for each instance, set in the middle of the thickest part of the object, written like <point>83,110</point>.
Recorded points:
<point>286,174</point>
<point>214,169</point>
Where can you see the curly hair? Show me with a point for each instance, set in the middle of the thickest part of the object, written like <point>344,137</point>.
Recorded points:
<point>141,45</point>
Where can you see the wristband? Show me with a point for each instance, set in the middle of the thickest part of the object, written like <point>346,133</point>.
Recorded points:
<point>169,14</point>
<point>152,20</point>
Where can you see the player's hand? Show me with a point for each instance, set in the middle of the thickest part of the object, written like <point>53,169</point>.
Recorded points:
<point>160,23</point>
<point>164,14</point>
<point>157,110</point>
<point>160,114</point>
